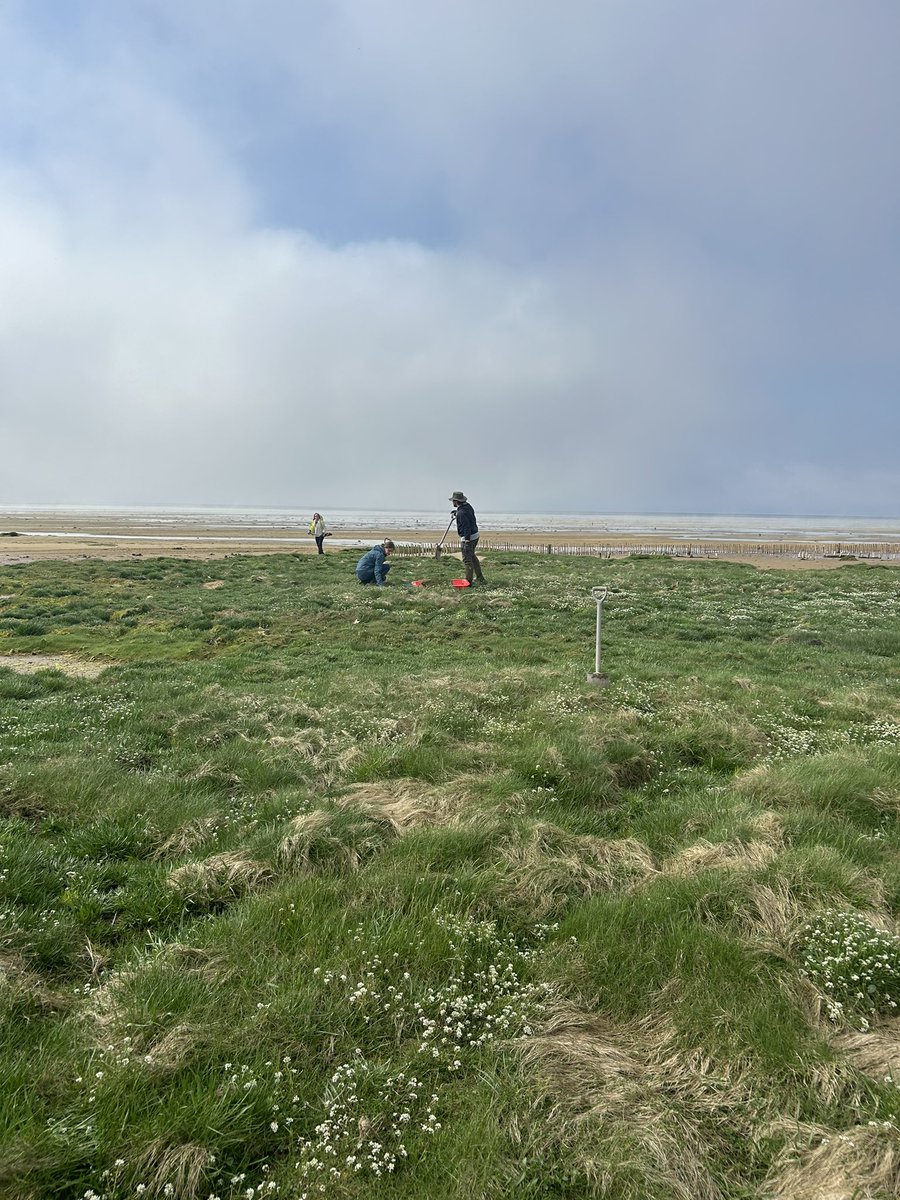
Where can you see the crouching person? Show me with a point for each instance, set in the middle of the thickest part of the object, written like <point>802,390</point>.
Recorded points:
<point>372,568</point>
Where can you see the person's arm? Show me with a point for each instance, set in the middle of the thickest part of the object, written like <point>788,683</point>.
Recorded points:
<point>379,567</point>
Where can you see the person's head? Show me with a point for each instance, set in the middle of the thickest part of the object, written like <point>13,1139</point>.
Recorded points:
<point>388,545</point>
<point>317,516</point>
<point>458,498</point>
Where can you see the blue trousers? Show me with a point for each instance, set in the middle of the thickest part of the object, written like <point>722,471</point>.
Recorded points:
<point>368,576</point>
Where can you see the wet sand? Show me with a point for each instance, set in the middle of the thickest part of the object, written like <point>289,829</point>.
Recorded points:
<point>32,537</point>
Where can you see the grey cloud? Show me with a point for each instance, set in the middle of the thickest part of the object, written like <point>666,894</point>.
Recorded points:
<point>655,227</point>
<point>267,365</point>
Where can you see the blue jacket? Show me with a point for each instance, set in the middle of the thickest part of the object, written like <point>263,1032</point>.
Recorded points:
<point>371,566</point>
<point>466,524</point>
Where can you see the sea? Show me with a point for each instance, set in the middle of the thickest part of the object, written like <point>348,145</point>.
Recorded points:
<point>224,523</point>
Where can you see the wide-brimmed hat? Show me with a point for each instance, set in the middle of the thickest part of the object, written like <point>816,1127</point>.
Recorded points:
<point>460,496</point>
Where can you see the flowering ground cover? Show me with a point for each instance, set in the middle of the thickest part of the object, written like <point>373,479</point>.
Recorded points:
<point>316,890</point>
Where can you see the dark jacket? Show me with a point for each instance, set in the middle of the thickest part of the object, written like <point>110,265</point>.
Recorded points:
<point>466,524</point>
<point>371,568</point>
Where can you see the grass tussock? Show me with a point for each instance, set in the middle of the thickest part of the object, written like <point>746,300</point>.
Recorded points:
<point>217,879</point>
<point>334,841</point>
<point>187,837</point>
<point>106,1007</point>
<point>25,992</point>
<point>171,1049</point>
<point>771,915</point>
<point>172,1169</point>
<point>545,866</point>
<point>858,781</point>
<point>610,1088</point>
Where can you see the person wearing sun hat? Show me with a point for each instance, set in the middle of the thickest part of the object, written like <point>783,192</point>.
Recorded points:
<point>467,528</point>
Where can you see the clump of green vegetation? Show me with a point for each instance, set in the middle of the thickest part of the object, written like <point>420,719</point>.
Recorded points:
<point>856,964</point>
<point>314,890</point>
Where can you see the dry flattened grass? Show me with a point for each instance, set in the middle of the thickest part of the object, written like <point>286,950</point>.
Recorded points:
<point>186,838</point>
<point>364,819</point>
<point>584,1053</point>
<point>336,768</point>
<point>835,1082</point>
<point>608,1084</point>
<point>719,856</point>
<point>21,986</point>
<point>862,1163</point>
<point>407,803</point>
<point>748,856</point>
<point>307,744</point>
<point>169,1051</point>
<point>875,1052</point>
<point>214,773</point>
<point>322,840</point>
<point>887,801</point>
<point>182,1167</point>
<point>546,865</point>
<point>770,914</point>
<point>764,781</point>
<point>316,748</point>
<point>107,1006</point>
<point>769,827</point>
<point>826,780</point>
<point>218,878</point>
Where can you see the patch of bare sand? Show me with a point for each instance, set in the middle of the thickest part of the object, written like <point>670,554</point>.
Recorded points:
<point>98,537</point>
<point>29,664</point>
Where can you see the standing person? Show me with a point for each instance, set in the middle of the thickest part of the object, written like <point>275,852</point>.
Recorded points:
<point>372,568</point>
<point>467,528</point>
<point>318,530</point>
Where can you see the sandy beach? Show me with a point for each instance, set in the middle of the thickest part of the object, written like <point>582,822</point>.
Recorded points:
<point>29,536</point>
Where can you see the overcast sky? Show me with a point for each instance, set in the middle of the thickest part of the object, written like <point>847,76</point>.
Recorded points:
<point>595,255</point>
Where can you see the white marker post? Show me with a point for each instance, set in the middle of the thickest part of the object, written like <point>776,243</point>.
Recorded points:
<point>598,595</point>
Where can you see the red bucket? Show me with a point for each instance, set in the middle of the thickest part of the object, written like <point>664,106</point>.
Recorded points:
<point>460,582</point>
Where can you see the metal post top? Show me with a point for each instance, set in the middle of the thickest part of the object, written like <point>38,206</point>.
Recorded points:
<point>599,594</point>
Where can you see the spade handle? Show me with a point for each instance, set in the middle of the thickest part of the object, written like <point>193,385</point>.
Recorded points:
<point>598,595</point>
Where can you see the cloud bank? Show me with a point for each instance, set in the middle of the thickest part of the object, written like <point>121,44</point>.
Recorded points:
<point>605,258</point>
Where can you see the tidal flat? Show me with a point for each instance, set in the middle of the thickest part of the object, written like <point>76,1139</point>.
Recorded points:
<point>309,889</point>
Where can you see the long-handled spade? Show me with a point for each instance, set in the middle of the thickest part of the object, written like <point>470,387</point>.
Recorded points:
<point>437,549</point>
<point>598,677</point>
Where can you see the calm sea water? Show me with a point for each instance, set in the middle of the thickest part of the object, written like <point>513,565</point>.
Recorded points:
<point>668,527</point>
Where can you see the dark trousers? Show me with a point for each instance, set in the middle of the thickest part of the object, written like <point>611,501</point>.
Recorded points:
<point>320,543</point>
<point>470,562</point>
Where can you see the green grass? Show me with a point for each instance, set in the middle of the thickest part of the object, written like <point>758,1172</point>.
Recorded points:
<point>323,890</point>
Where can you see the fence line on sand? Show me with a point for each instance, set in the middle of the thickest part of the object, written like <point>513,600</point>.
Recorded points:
<point>718,549</point>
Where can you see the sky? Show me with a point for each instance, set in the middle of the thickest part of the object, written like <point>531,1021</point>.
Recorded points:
<point>579,255</point>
